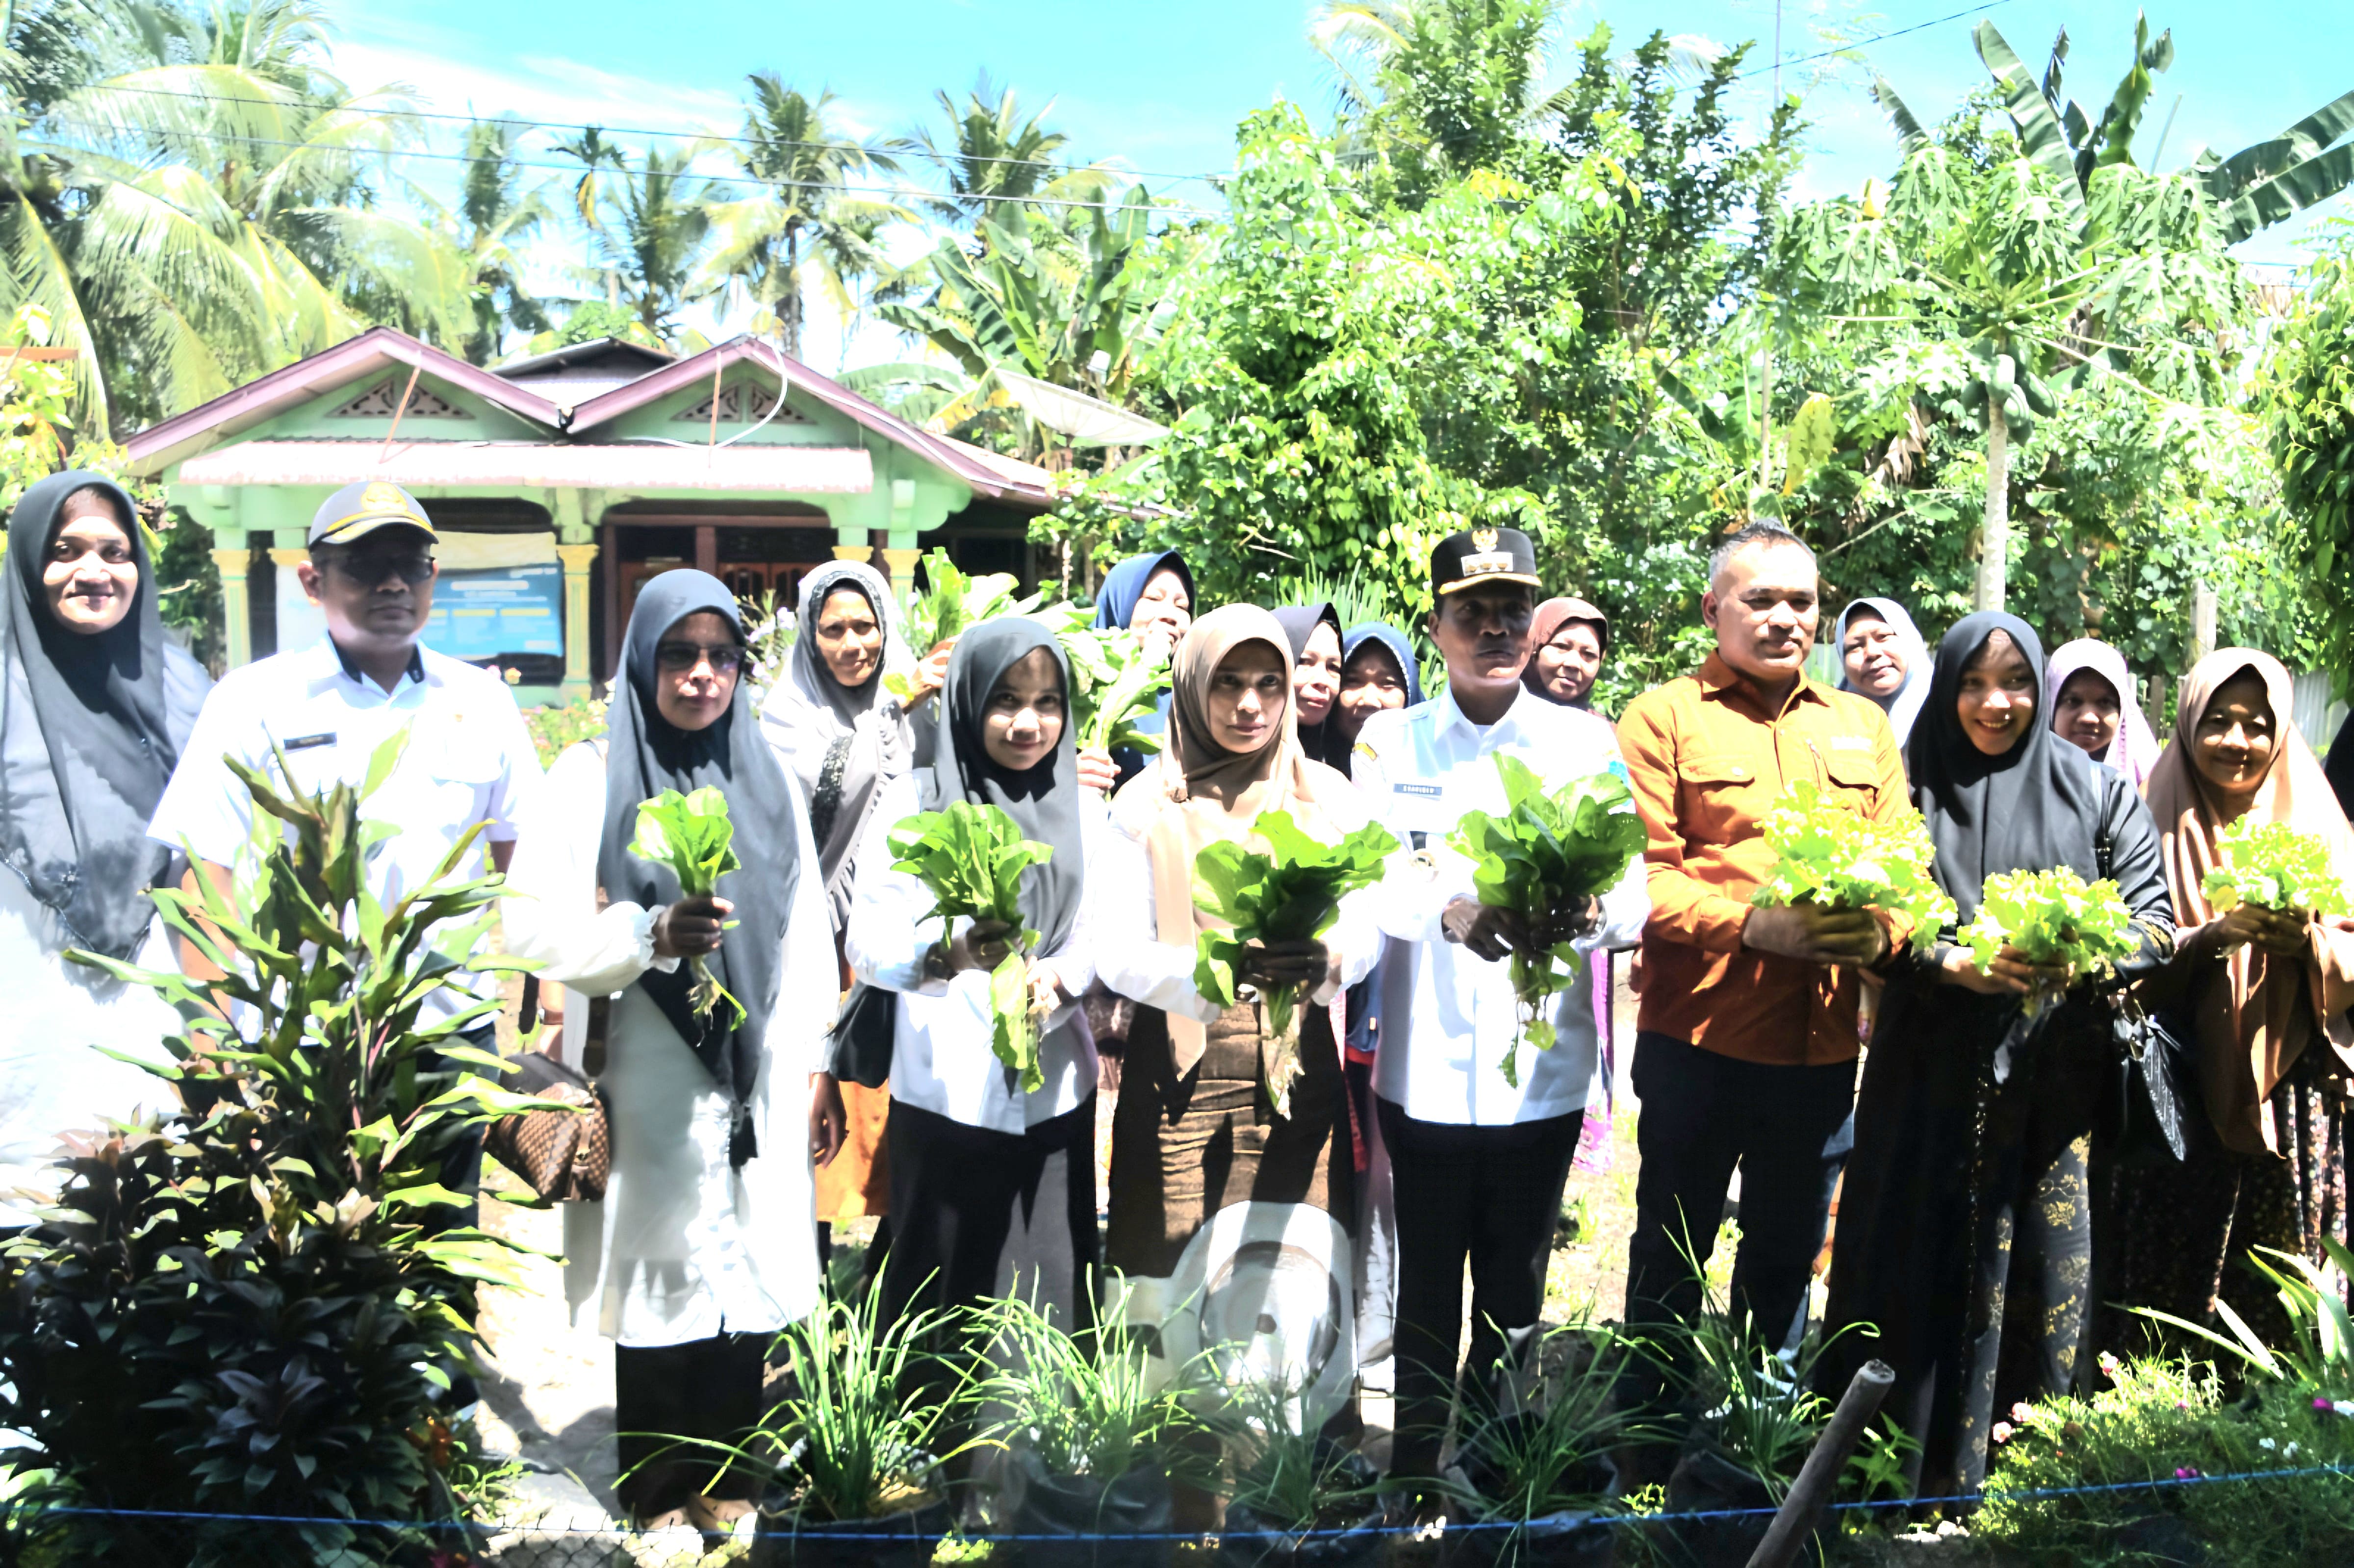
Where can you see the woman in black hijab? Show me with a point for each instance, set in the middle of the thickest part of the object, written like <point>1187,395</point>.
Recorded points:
<point>992,1186</point>
<point>95,705</point>
<point>1314,632</point>
<point>1964,1226</point>
<point>706,1244</point>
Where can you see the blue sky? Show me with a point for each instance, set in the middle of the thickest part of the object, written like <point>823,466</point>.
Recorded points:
<point>1160,88</point>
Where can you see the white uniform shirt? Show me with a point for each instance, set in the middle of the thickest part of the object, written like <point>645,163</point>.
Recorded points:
<point>1448,1015</point>
<point>940,1055</point>
<point>469,761</point>
<point>1133,960</point>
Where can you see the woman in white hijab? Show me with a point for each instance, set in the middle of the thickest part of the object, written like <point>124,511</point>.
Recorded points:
<point>1882,657</point>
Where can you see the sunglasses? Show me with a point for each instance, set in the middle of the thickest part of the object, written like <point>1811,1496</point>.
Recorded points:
<point>678,658</point>
<point>371,568</point>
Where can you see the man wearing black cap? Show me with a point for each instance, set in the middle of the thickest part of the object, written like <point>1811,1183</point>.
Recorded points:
<point>329,705</point>
<point>1478,1162</point>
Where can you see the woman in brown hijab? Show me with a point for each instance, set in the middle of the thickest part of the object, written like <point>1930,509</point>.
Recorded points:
<point>1567,641</point>
<point>1197,1127</point>
<point>2264,994</point>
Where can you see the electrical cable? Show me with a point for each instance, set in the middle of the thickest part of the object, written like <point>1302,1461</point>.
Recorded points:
<point>911,193</point>
<point>1875,38</point>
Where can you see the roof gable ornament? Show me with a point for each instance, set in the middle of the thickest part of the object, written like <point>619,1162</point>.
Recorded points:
<point>382,402</point>
<point>734,403</point>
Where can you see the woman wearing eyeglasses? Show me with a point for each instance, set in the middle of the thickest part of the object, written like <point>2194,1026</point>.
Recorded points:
<point>705,1243</point>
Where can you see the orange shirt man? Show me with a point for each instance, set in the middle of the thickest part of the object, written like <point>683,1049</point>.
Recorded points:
<point>1747,1044</point>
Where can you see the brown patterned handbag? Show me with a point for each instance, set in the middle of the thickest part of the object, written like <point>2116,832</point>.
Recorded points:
<point>564,1156</point>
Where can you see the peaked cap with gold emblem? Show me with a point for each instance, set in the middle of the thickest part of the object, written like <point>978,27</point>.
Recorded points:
<point>1473,556</point>
<point>362,508</point>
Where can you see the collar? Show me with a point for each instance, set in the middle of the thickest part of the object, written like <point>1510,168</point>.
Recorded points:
<point>1720,679</point>
<point>1452,717</point>
<point>416,671</point>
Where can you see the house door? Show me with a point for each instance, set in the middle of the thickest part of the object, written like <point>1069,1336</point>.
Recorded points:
<point>756,557</point>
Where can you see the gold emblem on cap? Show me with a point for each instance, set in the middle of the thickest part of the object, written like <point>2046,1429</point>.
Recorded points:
<point>1484,539</point>
<point>382,496</point>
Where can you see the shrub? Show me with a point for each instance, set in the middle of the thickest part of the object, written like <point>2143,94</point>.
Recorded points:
<point>245,1307</point>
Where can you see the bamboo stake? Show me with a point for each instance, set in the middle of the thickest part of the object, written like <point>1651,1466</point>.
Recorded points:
<point>1791,1526</point>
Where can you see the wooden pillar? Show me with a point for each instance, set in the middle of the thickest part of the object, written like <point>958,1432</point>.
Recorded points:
<point>707,549</point>
<point>902,564</point>
<point>577,560</point>
<point>237,610</point>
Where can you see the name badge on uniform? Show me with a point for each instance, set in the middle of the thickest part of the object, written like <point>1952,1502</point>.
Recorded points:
<point>1421,791</point>
<point>305,742</point>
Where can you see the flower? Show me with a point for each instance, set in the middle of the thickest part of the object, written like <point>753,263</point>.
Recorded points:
<point>2022,1413</point>
<point>2321,1403</point>
<point>2266,1444</point>
<point>2002,1430</point>
<point>2111,1368</point>
<point>2187,1473</point>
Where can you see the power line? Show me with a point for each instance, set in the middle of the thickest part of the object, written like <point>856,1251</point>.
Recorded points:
<point>905,193</point>
<point>1875,38</point>
<point>625,131</point>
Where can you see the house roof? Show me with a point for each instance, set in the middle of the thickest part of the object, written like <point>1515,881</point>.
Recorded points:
<point>816,471</point>
<point>1018,484</point>
<point>572,375</point>
<point>158,447</point>
<point>517,387</point>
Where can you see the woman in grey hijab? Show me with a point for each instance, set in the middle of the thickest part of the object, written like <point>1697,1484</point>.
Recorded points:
<point>844,737</point>
<point>95,705</point>
<point>843,734</point>
<point>1882,656</point>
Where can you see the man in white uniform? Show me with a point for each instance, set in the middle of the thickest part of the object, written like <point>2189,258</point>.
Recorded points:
<point>1478,1164</point>
<point>329,705</point>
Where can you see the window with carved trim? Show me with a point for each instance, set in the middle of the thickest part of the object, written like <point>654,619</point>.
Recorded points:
<point>382,402</point>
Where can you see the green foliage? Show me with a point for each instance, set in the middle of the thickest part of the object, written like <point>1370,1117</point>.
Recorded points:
<point>560,725</point>
<point>1289,894</point>
<point>2312,420</point>
<point>1118,678</point>
<point>2054,918</point>
<point>951,604</point>
<point>1547,851</point>
<point>36,399</point>
<point>1086,1404</point>
<point>691,834</point>
<point>971,857</point>
<point>854,1438</point>
<point>1540,1451</point>
<point>189,587</point>
<point>2320,1349</point>
<point>2273,865</point>
<point>1827,855</point>
<point>1290,1479</point>
<point>2163,1422</point>
<point>245,1307</point>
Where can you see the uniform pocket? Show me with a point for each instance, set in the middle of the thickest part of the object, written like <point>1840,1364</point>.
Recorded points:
<point>1853,778</point>
<point>1721,796</point>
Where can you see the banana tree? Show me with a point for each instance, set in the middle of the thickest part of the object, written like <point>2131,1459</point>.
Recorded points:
<point>2249,191</point>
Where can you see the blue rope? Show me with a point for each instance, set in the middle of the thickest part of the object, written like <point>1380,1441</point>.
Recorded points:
<point>2037,1494</point>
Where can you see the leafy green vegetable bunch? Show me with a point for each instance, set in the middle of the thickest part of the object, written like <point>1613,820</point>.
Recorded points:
<point>1545,852</point>
<point>2273,865</point>
<point>953,604</point>
<point>1826,854</point>
<point>692,835</point>
<point>2053,917</point>
<point>1117,678</point>
<point>1290,893</point>
<point>971,857</point>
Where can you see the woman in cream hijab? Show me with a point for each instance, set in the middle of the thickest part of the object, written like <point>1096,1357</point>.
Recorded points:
<point>1200,1123</point>
<point>2264,994</point>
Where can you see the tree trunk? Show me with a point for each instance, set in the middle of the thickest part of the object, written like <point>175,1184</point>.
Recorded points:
<point>788,317</point>
<point>2202,620</point>
<point>1994,534</point>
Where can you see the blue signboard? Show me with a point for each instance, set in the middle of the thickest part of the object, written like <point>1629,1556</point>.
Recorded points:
<point>502,611</point>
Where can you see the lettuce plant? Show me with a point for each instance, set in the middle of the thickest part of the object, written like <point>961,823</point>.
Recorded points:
<point>953,604</point>
<point>692,835</point>
<point>1826,854</point>
<point>1290,893</point>
<point>1547,851</point>
<point>2055,918</point>
<point>971,857</point>
<point>2273,865</point>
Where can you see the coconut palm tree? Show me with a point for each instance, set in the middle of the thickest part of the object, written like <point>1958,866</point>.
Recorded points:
<point>805,221</point>
<point>204,191</point>
<point>497,217</point>
<point>651,246</point>
<point>991,155</point>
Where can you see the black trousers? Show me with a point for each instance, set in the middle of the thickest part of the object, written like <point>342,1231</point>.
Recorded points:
<point>1788,1130</point>
<point>705,1391</point>
<point>976,1213</point>
<point>1488,1193</point>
